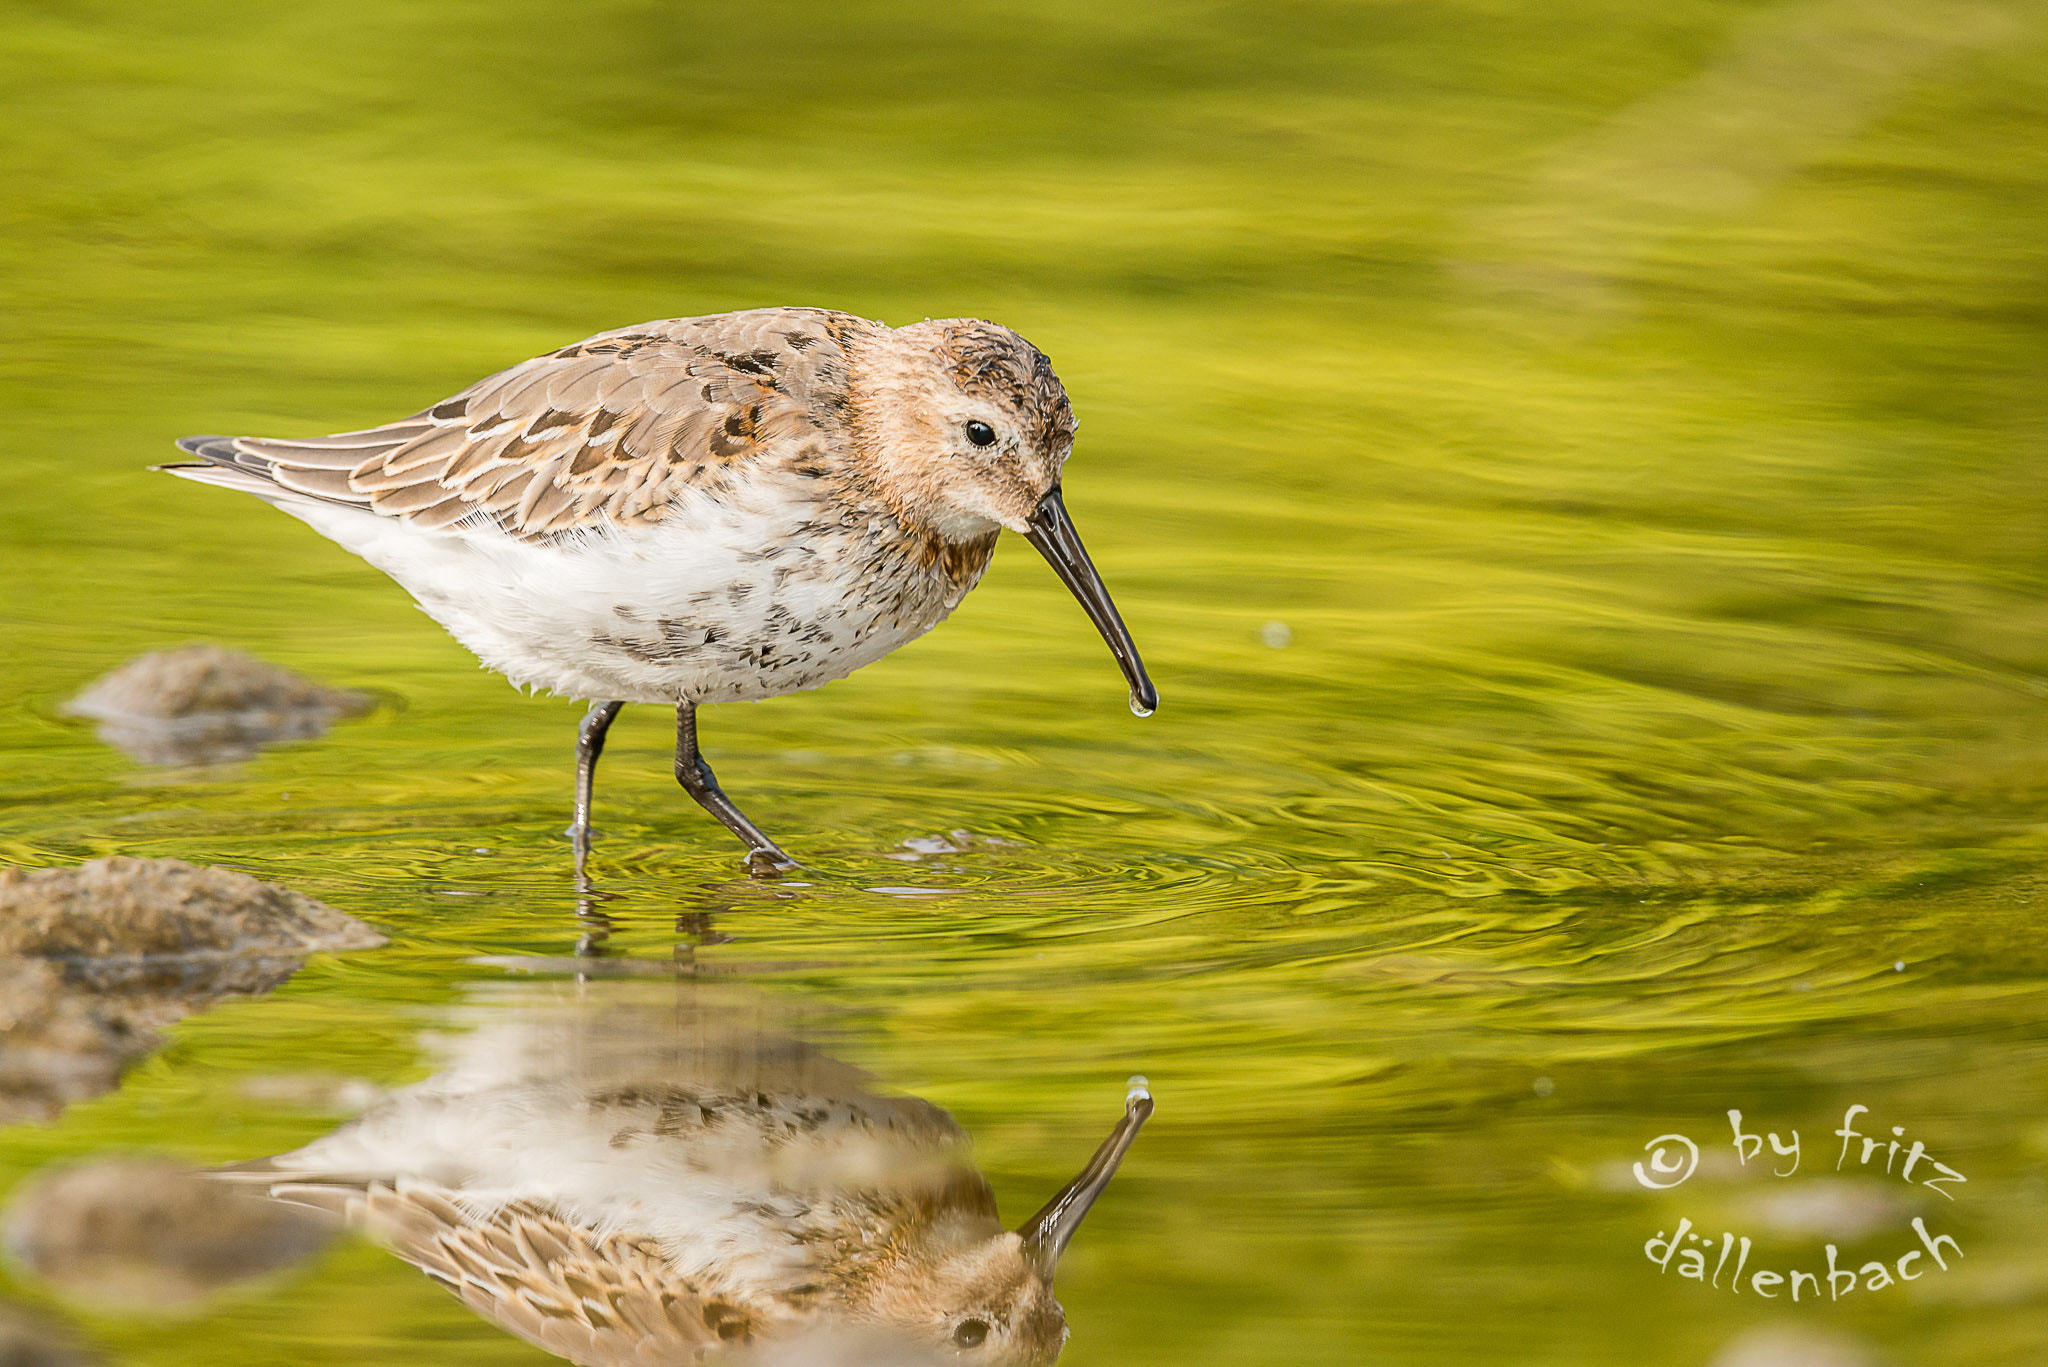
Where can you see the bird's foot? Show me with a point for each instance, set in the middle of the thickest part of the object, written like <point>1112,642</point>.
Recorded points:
<point>769,863</point>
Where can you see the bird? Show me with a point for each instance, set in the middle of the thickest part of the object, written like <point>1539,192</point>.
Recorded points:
<point>623,1182</point>
<point>700,510</point>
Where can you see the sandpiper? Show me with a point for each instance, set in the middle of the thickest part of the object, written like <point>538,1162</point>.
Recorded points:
<point>621,1183</point>
<point>702,510</point>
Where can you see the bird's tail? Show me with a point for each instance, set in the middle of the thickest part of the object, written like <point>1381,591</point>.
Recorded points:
<point>221,464</point>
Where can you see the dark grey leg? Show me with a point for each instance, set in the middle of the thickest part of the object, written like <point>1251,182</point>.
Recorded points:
<point>589,745</point>
<point>764,856</point>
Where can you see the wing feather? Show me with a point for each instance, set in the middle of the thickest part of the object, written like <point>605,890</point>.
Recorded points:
<point>594,1298</point>
<point>481,455</point>
<point>378,479</point>
<point>446,513</point>
<point>606,432</point>
<point>320,483</point>
<point>528,511</point>
<point>411,498</point>
<point>574,389</point>
<point>438,444</point>
<point>509,490</point>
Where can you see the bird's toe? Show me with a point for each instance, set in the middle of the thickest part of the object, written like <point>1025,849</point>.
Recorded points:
<point>768,863</point>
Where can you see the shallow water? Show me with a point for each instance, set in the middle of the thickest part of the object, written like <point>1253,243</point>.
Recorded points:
<point>1574,471</point>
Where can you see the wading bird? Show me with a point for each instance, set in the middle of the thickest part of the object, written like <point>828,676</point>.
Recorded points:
<point>702,510</point>
<point>624,1184</point>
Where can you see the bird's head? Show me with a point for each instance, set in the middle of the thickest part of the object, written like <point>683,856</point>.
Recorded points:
<point>964,426</point>
<point>967,1290</point>
<point>964,429</point>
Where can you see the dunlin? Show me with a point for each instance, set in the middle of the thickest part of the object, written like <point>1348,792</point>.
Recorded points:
<point>630,1186</point>
<point>702,510</point>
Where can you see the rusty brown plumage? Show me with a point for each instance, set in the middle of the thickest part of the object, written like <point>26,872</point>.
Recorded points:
<point>605,432</point>
<point>988,359</point>
<point>586,1295</point>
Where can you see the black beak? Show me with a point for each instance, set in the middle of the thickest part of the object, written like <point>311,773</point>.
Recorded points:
<point>1052,531</point>
<point>1046,1233</point>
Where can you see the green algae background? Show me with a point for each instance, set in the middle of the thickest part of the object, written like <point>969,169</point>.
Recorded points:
<point>1576,471</point>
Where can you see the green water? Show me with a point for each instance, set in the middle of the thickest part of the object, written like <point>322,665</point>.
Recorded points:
<point>1633,417</point>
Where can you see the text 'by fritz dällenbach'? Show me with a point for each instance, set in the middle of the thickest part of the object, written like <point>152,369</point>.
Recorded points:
<point>1703,1259</point>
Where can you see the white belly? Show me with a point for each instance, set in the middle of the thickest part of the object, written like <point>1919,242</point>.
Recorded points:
<point>726,601</point>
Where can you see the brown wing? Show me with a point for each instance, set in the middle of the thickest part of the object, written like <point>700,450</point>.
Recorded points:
<point>605,432</point>
<point>599,1301</point>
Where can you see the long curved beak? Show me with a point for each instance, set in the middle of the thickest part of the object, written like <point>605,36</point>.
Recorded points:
<point>1046,1233</point>
<point>1052,532</point>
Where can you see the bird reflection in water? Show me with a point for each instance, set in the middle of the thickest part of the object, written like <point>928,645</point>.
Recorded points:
<point>632,1183</point>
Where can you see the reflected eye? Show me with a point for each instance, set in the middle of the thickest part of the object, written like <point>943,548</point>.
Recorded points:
<point>971,1333</point>
<point>981,434</point>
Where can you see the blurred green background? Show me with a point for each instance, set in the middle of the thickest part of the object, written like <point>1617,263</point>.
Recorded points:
<point>1576,471</point>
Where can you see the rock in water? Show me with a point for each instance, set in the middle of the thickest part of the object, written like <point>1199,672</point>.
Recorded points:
<point>140,1233</point>
<point>111,910</point>
<point>27,1339</point>
<point>95,959</point>
<point>57,1044</point>
<point>206,705</point>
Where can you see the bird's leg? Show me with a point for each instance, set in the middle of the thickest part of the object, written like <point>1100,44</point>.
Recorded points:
<point>764,857</point>
<point>597,928</point>
<point>589,745</point>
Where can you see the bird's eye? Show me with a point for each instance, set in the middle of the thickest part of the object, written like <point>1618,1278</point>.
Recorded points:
<point>981,434</point>
<point>971,1333</point>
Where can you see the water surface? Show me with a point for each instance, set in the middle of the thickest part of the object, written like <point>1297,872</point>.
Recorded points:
<point>1575,472</point>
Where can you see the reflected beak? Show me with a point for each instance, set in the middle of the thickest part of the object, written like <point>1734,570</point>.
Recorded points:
<point>1052,532</point>
<point>1046,1233</point>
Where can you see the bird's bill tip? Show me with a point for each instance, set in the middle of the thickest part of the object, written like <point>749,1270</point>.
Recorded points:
<point>1052,532</point>
<point>1047,1233</point>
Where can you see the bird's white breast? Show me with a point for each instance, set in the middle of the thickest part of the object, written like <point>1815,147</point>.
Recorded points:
<point>735,1170</point>
<point>766,590</point>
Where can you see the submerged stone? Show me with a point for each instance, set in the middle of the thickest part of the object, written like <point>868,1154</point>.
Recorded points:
<point>95,960</point>
<point>144,1233</point>
<point>28,1339</point>
<point>205,704</point>
<point>109,910</point>
<point>59,1045</point>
